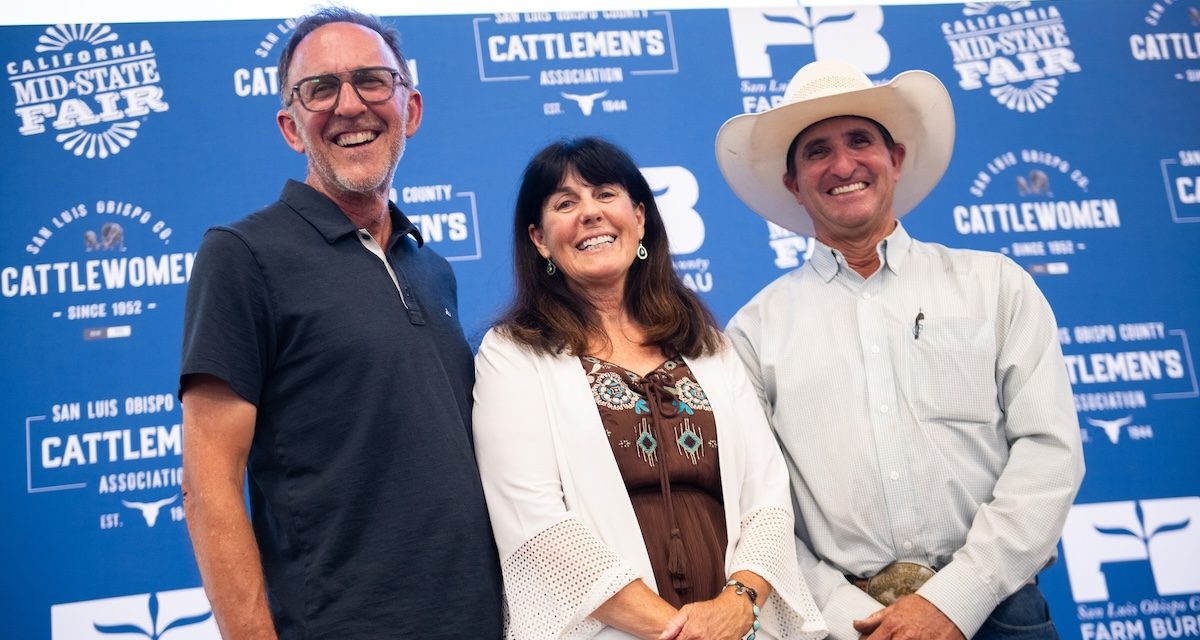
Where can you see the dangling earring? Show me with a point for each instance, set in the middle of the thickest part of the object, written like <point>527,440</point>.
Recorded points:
<point>642,254</point>
<point>550,268</point>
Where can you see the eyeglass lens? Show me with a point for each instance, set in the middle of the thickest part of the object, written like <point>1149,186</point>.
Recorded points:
<point>320,93</point>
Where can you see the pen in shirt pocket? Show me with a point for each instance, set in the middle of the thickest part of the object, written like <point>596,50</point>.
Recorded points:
<point>917,326</point>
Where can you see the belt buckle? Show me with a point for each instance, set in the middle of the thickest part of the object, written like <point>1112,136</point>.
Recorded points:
<point>896,580</point>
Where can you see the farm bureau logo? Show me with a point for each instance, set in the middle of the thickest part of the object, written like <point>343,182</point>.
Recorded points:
<point>1020,53</point>
<point>1105,540</point>
<point>676,192</point>
<point>831,32</point>
<point>89,87</point>
<point>182,614</point>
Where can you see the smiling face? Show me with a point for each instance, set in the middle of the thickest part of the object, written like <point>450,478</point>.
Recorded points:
<point>354,148</point>
<point>591,232</point>
<point>845,176</point>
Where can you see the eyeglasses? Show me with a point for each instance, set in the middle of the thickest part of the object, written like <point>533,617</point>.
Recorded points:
<point>372,84</point>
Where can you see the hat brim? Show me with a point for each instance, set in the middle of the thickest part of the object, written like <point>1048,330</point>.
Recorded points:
<point>914,107</point>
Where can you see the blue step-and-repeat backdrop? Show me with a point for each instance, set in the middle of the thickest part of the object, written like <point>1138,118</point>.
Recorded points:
<point>1078,155</point>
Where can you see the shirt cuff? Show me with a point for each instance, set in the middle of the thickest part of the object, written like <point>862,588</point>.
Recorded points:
<point>847,604</point>
<point>963,594</point>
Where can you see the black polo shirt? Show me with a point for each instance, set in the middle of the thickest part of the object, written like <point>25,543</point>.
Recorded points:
<point>364,494</point>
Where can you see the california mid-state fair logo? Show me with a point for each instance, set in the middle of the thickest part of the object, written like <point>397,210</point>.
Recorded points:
<point>1018,50</point>
<point>88,87</point>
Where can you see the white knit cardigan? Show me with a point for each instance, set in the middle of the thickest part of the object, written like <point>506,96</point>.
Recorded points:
<point>565,529</point>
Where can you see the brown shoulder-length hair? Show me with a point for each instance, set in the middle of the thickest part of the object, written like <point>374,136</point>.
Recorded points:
<point>547,315</point>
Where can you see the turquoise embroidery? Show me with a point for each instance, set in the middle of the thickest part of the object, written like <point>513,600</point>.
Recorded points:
<point>647,445</point>
<point>611,391</point>
<point>693,395</point>
<point>611,388</point>
<point>690,440</point>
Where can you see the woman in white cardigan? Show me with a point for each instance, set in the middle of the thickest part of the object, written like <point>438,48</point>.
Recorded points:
<point>634,487</point>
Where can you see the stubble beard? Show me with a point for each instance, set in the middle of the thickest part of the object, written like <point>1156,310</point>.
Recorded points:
<point>320,162</point>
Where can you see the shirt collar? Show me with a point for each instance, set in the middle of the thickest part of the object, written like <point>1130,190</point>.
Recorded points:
<point>316,208</point>
<point>893,250</point>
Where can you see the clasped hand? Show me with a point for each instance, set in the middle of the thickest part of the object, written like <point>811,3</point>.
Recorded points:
<point>726,617</point>
<point>909,618</point>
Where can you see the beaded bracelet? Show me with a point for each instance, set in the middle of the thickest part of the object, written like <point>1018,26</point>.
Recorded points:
<point>751,593</point>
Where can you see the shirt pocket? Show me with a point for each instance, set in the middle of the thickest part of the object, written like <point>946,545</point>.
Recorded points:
<point>952,370</point>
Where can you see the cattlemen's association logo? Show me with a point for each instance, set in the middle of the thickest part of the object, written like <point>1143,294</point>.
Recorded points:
<point>447,217</point>
<point>93,90</point>
<point>1181,175</point>
<point>1116,369</point>
<point>585,57</point>
<point>770,44</point>
<point>1040,200</point>
<point>1019,52</point>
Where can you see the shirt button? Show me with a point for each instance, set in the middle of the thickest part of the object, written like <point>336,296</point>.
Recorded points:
<point>894,475</point>
<point>883,408</point>
<point>866,295</point>
<point>874,348</point>
<point>908,545</point>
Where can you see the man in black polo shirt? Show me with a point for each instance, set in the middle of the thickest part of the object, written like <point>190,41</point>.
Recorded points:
<point>322,354</point>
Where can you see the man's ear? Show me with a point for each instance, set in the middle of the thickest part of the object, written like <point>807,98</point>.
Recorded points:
<point>415,109</point>
<point>288,127</point>
<point>898,151</point>
<point>789,183</point>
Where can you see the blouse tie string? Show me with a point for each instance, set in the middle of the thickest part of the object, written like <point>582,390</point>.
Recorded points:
<point>655,387</point>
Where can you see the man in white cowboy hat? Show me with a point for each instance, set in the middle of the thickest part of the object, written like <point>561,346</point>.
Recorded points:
<point>919,392</point>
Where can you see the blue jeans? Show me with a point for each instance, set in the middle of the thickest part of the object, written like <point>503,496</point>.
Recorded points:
<point>1023,616</point>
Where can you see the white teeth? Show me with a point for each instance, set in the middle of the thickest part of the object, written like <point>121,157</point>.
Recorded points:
<point>847,188</point>
<point>591,242</point>
<point>357,137</point>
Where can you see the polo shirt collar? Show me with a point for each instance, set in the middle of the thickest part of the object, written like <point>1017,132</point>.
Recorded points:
<point>893,250</point>
<point>316,208</point>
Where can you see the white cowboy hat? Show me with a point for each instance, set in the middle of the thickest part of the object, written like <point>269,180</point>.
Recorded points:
<point>913,106</point>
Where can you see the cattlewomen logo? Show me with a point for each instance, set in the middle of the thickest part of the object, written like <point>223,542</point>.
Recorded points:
<point>1133,568</point>
<point>1048,196</point>
<point>183,614</point>
<point>819,32</point>
<point>262,77</point>
<point>1019,52</point>
<point>584,56</point>
<point>86,85</point>
<point>88,252</point>
<point>1175,41</point>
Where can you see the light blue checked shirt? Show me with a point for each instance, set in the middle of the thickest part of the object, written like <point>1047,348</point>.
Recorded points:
<point>925,415</point>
